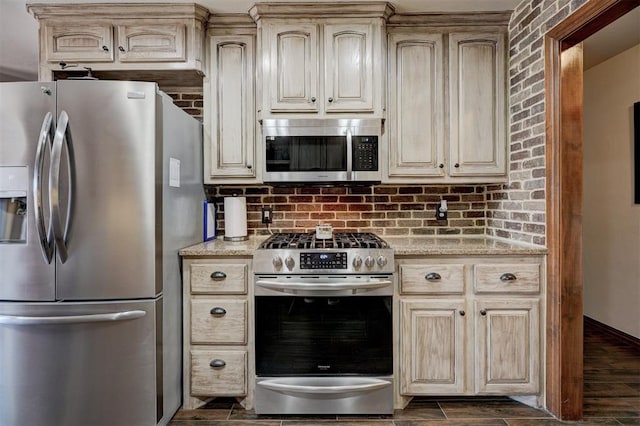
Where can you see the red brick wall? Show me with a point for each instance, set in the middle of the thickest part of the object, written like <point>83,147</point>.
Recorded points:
<point>187,98</point>
<point>385,210</point>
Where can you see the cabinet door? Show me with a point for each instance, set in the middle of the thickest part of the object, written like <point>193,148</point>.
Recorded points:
<point>152,43</point>
<point>230,122</point>
<point>432,336</point>
<point>507,346</point>
<point>348,67</point>
<point>416,86</point>
<point>86,42</point>
<point>293,69</point>
<point>477,115</point>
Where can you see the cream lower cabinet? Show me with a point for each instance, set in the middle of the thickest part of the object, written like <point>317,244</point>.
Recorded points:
<point>433,352</point>
<point>216,317</point>
<point>469,326</point>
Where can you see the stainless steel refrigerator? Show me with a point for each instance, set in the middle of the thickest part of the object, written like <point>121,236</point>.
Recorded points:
<point>100,185</point>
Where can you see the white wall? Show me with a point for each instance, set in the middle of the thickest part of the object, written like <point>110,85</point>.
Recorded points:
<point>611,220</point>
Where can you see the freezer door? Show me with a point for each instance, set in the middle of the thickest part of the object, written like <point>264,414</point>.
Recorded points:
<point>106,178</point>
<point>68,364</point>
<point>26,119</point>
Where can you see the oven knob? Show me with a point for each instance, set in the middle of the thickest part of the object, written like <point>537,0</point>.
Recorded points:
<point>277,262</point>
<point>382,261</point>
<point>289,262</point>
<point>369,262</point>
<point>357,262</point>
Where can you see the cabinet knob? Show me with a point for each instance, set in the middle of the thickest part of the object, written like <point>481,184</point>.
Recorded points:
<point>432,276</point>
<point>249,166</point>
<point>508,277</point>
<point>313,99</point>
<point>483,312</point>
<point>457,165</point>
<point>218,311</point>
<point>330,100</point>
<point>105,48</point>
<point>217,363</point>
<point>120,48</point>
<point>462,313</point>
<point>441,165</point>
<point>218,276</point>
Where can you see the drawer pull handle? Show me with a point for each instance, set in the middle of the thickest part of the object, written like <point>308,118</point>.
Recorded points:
<point>508,277</point>
<point>483,312</point>
<point>217,363</point>
<point>218,312</point>
<point>432,276</point>
<point>218,276</point>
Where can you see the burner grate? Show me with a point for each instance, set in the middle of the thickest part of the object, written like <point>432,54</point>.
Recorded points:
<point>341,240</point>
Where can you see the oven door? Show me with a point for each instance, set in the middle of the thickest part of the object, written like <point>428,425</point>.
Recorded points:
<point>323,336</point>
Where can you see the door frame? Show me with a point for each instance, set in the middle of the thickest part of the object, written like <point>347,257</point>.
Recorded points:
<point>564,154</point>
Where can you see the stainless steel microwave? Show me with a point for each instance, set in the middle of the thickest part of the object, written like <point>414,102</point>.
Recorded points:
<point>321,151</point>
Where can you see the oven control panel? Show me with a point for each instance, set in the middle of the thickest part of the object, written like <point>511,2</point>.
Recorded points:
<point>324,260</point>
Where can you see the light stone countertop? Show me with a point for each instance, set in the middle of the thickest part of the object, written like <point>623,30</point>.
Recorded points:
<point>476,245</point>
<point>219,247</point>
<point>403,246</point>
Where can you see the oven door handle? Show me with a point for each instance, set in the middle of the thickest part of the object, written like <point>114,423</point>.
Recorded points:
<point>368,385</point>
<point>319,286</point>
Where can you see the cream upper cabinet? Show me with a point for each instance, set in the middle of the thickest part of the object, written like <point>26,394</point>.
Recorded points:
<point>92,43</point>
<point>293,54</point>
<point>348,67</point>
<point>120,37</point>
<point>229,122</point>
<point>477,120</point>
<point>321,58</point>
<point>152,42</point>
<point>447,117</point>
<point>416,106</point>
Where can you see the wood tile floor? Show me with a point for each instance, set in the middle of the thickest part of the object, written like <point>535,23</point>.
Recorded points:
<point>611,397</point>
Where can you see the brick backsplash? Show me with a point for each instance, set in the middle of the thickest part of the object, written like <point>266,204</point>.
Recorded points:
<point>385,210</point>
<point>187,98</point>
<point>518,210</point>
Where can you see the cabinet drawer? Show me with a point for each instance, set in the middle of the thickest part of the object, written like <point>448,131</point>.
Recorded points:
<point>218,278</point>
<point>228,325</point>
<point>507,278</point>
<point>227,380</point>
<point>426,279</point>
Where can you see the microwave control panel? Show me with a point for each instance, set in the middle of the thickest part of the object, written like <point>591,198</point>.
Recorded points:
<point>365,153</point>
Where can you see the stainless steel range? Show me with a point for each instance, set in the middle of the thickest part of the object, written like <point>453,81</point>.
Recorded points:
<point>324,324</point>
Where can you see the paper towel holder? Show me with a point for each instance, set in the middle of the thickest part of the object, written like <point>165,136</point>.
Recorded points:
<point>241,233</point>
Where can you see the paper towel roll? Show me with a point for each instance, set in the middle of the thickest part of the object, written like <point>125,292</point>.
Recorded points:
<point>235,218</point>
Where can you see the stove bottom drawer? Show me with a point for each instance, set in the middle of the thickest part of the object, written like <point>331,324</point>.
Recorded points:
<point>324,395</point>
<point>218,372</point>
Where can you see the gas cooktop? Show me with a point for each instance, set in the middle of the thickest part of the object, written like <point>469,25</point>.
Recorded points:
<point>340,240</point>
<point>344,252</point>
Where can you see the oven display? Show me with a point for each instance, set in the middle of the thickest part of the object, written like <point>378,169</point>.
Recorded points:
<point>323,260</point>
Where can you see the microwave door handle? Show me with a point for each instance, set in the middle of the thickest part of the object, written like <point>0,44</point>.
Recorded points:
<point>349,155</point>
<point>60,234</point>
<point>44,232</point>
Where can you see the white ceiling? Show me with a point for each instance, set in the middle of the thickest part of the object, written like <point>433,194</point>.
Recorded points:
<point>19,30</point>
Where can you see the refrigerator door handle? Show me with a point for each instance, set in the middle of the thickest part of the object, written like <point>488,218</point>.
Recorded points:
<point>44,231</point>
<point>71,319</point>
<point>63,134</point>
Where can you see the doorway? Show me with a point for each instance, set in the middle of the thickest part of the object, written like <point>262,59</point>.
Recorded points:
<point>564,151</point>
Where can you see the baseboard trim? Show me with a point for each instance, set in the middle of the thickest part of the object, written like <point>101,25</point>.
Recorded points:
<point>613,332</point>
